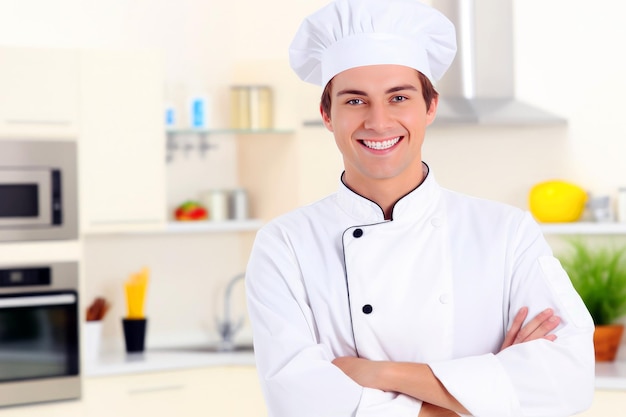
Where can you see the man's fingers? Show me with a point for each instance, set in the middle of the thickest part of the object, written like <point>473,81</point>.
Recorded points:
<point>512,333</point>
<point>539,327</point>
<point>542,332</point>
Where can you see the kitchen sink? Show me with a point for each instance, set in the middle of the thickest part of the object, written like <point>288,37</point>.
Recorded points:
<point>219,349</point>
<point>207,349</point>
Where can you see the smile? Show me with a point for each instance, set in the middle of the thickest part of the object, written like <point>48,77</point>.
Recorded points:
<point>381,145</point>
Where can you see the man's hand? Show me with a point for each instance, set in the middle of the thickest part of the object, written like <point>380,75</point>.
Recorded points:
<point>364,372</point>
<point>538,328</point>
<point>430,410</point>
<point>407,378</point>
<point>368,373</point>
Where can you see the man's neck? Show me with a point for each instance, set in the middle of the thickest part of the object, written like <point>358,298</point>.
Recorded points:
<point>385,192</point>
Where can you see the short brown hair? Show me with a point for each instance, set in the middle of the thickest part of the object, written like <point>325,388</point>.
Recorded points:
<point>428,92</point>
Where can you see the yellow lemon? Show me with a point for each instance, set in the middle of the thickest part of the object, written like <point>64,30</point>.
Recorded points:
<point>557,201</point>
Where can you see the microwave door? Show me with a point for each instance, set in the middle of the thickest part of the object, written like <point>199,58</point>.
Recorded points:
<point>25,198</point>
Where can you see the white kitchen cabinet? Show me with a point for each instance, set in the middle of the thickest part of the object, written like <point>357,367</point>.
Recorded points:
<point>231,391</point>
<point>39,93</point>
<point>122,141</point>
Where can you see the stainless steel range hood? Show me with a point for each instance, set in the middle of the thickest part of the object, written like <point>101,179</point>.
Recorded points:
<point>479,86</point>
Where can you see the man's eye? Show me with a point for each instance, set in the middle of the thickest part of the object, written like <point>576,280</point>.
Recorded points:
<point>355,101</point>
<point>399,98</point>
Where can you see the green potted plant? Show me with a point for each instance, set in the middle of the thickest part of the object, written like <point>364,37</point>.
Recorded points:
<point>599,276</point>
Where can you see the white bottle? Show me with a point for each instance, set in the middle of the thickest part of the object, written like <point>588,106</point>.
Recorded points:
<point>216,201</point>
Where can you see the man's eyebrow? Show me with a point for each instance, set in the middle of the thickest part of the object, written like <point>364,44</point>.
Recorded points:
<point>389,91</point>
<point>401,88</point>
<point>351,92</point>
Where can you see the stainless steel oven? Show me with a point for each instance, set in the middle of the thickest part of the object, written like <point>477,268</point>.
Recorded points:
<point>38,198</point>
<point>39,341</point>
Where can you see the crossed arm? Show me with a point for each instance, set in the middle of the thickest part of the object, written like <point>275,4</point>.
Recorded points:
<point>418,381</point>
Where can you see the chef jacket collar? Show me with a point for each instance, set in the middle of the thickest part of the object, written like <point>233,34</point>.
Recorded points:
<point>411,207</point>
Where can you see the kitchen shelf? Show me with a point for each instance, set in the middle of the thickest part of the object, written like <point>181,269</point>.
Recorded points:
<point>189,131</point>
<point>152,360</point>
<point>179,227</point>
<point>214,226</point>
<point>584,228</point>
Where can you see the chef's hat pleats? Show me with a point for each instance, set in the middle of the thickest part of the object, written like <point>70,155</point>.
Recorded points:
<point>352,33</point>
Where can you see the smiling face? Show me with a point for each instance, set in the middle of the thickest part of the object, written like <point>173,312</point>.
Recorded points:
<point>379,117</point>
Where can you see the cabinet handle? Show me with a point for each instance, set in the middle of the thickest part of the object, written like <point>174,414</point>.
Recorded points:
<point>148,390</point>
<point>38,122</point>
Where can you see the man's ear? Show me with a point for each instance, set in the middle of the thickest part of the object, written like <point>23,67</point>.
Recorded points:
<point>326,119</point>
<point>432,111</point>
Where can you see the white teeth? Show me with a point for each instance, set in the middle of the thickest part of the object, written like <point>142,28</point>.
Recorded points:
<point>380,145</point>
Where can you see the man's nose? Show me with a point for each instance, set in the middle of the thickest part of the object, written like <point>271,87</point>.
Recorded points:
<point>379,117</point>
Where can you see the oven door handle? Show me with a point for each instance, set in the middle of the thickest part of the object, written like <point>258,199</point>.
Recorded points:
<point>37,300</point>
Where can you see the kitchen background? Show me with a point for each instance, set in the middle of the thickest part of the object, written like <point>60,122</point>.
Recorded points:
<point>569,60</point>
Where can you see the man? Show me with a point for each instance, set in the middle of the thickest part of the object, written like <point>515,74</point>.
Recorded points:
<point>393,296</point>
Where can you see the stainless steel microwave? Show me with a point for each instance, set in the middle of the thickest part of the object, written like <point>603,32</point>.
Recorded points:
<point>39,340</point>
<point>38,190</point>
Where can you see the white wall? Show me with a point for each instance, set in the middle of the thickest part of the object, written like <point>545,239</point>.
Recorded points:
<point>569,60</point>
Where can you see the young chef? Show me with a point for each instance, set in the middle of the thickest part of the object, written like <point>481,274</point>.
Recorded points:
<point>392,297</point>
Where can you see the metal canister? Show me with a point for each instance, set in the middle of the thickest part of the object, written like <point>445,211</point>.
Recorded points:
<point>251,107</point>
<point>239,204</point>
<point>260,107</point>
<point>240,107</point>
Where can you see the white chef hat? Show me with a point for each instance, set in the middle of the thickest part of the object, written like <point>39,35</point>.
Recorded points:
<point>353,33</point>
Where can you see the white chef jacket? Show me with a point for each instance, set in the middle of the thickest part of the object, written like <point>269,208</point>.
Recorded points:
<point>439,284</point>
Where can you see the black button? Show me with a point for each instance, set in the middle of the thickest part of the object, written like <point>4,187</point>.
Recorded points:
<point>367,308</point>
<point>357,233</point>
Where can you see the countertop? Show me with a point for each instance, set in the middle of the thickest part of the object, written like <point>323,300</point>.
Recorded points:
<point>120,363</point>
<point>609,375</point>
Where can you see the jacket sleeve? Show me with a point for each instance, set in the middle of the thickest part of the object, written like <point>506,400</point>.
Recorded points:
<point>537,378</point>
<point>296,372</point>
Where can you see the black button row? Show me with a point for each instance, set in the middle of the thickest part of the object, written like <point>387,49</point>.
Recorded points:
<point>367,308</point>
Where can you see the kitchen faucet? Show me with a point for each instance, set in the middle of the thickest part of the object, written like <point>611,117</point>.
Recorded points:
<point>226,327</point>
